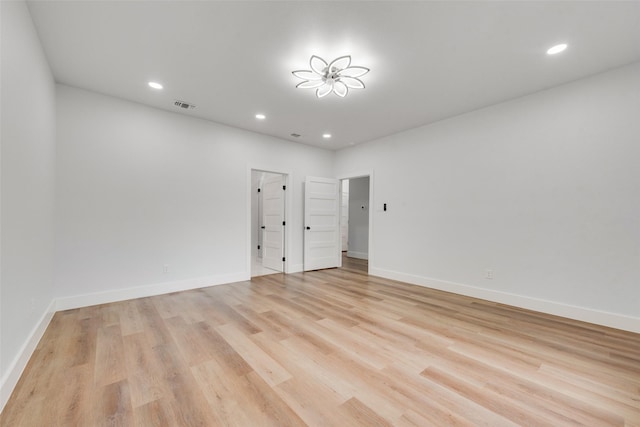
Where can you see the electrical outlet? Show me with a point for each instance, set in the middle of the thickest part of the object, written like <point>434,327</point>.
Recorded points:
<point>488,274</point>
<point>165,268</point>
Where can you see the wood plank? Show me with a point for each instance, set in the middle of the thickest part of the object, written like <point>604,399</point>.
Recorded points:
<point>113,405</point>
<point>270,370</point>
<point>110,366</point>
<point>155,413</point>
<point>362,415</point>
<point>145,370</point>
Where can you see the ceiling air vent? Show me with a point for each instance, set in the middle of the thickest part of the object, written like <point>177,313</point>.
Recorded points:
<point>184,105</point>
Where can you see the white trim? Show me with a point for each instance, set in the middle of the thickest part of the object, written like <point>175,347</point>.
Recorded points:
<point>604,318</point>
<point>372,203</point>
<point>288,215</point>
<point>359,255</point>
<point>77,301</point>
<point>295,268</point>
<point>13,373</point>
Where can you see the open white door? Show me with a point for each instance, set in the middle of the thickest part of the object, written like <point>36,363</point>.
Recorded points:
<point>344,216</point>
<point>322,223</point>
<point>273,222</point>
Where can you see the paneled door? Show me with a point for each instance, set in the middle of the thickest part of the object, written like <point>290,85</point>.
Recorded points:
<point>273,222</point>
<point>321,223</point>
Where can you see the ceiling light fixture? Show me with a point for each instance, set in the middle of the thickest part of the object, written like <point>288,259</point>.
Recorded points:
<point>337,77</point>
<point>260,116</point>
<point>155,85</point>
<point>326,135</point>
<point>556,49</point>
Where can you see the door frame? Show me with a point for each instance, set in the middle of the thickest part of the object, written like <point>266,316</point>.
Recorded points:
<point>372,208</point>
<point>288,215</point>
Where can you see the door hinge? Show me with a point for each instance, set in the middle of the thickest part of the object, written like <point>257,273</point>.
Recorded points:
<point>284,223</point>
<point>258,247</point>
<point>283,259</point>
<point>258,190</point>
<point>284,187</point>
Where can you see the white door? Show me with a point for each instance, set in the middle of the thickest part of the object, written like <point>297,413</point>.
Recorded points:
<point>322,223</point>
<point>344,216</point>
<point>273,222</point>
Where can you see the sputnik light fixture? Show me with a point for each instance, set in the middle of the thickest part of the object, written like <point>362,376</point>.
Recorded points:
<point>338,76</point>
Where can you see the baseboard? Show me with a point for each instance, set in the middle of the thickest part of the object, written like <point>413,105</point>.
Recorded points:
<point>295,268</point>
<point>77,301</point>
<point>604,318</point>
<point>11,377</point>
<point>359,255</point>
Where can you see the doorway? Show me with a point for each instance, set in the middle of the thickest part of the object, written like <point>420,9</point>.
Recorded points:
<point>324,221</point>
<point>268,222</point>
<point>355,217</point>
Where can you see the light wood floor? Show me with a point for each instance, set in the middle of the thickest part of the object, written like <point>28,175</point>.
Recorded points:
<point>327,348</point>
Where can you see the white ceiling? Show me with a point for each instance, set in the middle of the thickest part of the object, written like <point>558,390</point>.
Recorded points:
<point>428,60</point>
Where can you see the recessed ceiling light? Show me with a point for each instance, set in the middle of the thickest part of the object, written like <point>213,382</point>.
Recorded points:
<point>326,135</point>
<point>155,85</point>
<point>556,49</point>
<point>260,116</point>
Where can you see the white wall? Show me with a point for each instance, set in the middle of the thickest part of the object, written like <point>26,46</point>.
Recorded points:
<point>544,190</point>
<point>359,218</point>
<point>27,179</point>
<point>138,188</point>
